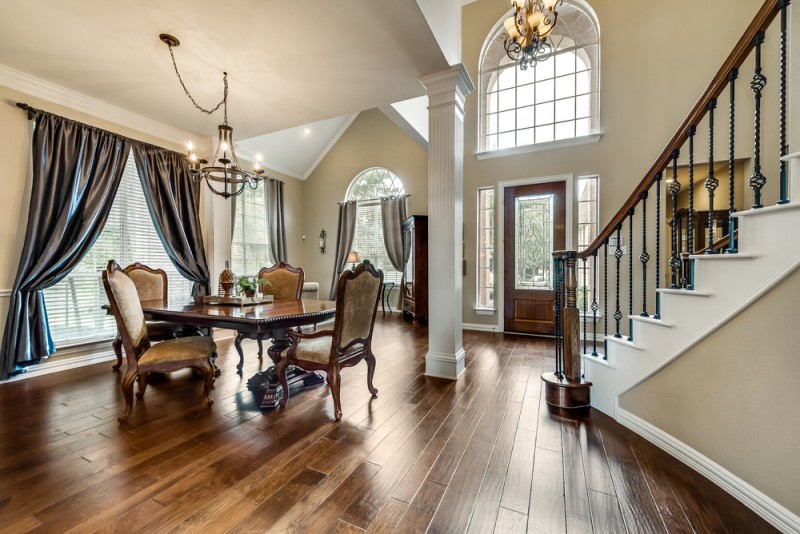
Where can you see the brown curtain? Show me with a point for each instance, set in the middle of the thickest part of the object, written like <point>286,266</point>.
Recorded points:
<point>345,233</point>
<point>276,227</point>
<point>76,173</point>
<point>173,200</point>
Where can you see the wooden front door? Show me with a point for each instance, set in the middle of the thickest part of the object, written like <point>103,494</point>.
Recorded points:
<point>534,226</point>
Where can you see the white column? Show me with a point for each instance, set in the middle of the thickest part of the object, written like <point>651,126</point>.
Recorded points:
<point>447,91</point>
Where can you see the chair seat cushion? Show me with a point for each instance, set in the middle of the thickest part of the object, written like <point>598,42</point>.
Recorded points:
<point>162,329</point>
<point>318,349</point>
<point>177,350</point>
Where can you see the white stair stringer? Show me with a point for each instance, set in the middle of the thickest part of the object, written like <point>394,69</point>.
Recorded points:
<point>769,248</point>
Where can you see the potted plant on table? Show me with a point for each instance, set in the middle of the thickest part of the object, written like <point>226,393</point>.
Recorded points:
<point>247,286</point>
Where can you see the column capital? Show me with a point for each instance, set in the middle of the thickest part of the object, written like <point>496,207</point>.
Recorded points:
<point>448,87</point>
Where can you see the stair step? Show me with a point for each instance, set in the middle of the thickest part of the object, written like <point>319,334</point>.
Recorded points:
<point>687,292</point>
<point>599,360</point>
<point>625,342</point>
<point>766,210</point>
<point>723,257</point>
<point>651,320</point>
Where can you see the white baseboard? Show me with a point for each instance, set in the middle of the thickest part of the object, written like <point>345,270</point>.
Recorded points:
<point>774,513</point>
<point>481,327</point>
<point>49,367</point>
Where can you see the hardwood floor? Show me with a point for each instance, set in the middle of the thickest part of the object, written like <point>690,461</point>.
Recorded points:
<point>481,454</point>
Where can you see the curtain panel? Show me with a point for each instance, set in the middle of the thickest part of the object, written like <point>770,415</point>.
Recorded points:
<point>393,212</point>
<point>77,170</point>
<point>345,233</point>
<point>276,227</point>
<point>173,200</point>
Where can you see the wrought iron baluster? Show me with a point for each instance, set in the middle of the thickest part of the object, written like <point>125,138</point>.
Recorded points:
<point>731,161</point>
<point>659,176</point>
<point>557,310</point>
<point>757,179</point>
<point>711,182</point>
<point>644,257</point>
<point>686,278</point>
<point>605,298</point>
<point>630,273</point>
<point>618,256</point>
<point>674,189</point>
<point>595,307</point>
<point>585,304</point>
<point>784,197</point>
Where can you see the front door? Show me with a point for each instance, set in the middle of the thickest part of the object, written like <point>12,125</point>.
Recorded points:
<point>534,226</point>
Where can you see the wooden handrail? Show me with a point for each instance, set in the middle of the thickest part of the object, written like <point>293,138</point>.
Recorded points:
<point>719,243</point>
<point>740,52</point>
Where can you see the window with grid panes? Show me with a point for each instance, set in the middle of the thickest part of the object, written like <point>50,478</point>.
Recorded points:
<point>368,188</point>
<point>250,245</point>
<point>587,232</point>
<point>73,305</point>
<point>554,100</point>
<point>485,285</point>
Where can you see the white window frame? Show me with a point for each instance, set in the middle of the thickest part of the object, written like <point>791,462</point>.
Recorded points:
<point>485,308</point>
<point>242,211</point>
<point>594,134</point>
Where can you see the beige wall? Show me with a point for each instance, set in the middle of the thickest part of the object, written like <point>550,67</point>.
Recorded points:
<point>371,141</point>
<point>15,153</point>
<point>649,81</point>
<point>734,396</point>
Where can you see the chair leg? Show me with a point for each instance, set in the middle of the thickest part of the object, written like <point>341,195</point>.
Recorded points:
<point>334,380</point>
<point>117,346</point>
<point>260,348</point>
<point>142,385</point>
<point>370,372</point>
<point>208,372</point>
<point>238,344</point>
<point>127,393</point>
<point>280,370</point>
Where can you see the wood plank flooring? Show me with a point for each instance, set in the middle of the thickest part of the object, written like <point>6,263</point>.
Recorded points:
<point>482,454</point>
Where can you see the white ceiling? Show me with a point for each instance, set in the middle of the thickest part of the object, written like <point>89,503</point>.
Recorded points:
<point>288,63</point>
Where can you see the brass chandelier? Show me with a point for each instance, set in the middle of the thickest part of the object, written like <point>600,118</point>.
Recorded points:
<point>527,31</point>
<point>224,168</point>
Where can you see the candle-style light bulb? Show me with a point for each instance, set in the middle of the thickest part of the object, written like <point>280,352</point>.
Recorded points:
<point>190,145</point>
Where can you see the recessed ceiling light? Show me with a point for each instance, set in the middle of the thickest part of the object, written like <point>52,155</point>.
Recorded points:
<point>306,131</point>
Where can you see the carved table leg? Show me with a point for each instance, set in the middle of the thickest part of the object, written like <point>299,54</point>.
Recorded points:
<point>238,344</point>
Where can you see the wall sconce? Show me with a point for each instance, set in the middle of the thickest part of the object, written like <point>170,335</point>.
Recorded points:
<point>322,237</point>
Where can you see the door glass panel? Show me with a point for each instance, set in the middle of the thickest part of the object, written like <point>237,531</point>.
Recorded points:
<point>534,241</point>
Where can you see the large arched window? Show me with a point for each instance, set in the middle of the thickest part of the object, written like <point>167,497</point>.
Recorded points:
<point>368,188</point>
<point>557,99</point>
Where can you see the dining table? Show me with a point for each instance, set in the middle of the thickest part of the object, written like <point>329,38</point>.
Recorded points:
<point>261,320</point>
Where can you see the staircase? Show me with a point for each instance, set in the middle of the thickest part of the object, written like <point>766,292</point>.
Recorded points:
<point>634,324</point>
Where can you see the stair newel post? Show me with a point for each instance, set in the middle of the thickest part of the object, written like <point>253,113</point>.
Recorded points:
<point>674,189</point>
<point>731,161</point>
<point>585,304</point>
<point>757,180</point>
<point>618,256</point>
<point>784,196</point>
<point>630,273</point>
<point>605,298</point>
<point>659,177</point>
<point>711,182</point>
<point>644,257</point>
<point>568,390</point>
<point>595,307</point>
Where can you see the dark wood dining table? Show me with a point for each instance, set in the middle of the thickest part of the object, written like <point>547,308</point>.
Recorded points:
<point>268,319</point>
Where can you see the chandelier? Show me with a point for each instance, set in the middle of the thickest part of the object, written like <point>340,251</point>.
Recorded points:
<point>527,30</point>
<point>224,167</point>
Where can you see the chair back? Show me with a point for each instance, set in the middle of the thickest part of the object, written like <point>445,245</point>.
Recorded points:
<point>357,297</point>
<point>124,299</point>
<point>151,284</point>
<point>287,281</point>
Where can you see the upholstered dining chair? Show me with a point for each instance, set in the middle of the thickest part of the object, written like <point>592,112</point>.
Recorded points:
<point>286,282</point>
<point>144,358</point>
<point>350,340</point>
<point>151,284</point>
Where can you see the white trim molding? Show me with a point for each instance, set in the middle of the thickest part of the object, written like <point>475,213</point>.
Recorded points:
<point>57,94</point>
<point>538,147</point>
<point>5,292</point>
<point>774,513</point>
<point>481,327</point>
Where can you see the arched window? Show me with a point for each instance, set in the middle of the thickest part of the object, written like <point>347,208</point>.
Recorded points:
<point>556,99</point>
<point>368,188</point>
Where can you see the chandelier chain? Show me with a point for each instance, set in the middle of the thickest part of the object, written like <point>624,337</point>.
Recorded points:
<point>224,100</point>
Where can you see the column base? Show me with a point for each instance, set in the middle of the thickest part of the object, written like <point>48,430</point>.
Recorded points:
<point>449,366</point>
<point>563,393</point>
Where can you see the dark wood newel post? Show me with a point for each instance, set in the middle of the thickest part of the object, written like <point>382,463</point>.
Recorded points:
<point>568,390</point>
